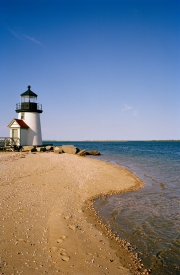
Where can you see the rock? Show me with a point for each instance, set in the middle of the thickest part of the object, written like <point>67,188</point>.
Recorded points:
<point>70,149</point>
<point>49,148</point>
<point>93,152</point>
<point>27,148</point>
<point>58,150</point>
<point>34,149</point>
<point>82,153</point>
<point>41,149</point>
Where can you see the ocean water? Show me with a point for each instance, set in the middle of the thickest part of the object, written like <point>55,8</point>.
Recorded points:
<point>150,217</point>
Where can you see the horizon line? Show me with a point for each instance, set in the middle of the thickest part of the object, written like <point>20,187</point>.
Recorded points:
<point>112,140</point>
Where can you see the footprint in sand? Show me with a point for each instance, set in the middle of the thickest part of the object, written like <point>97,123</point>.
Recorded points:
<point>80,211</point>
<point>61,239</point>
<point>63,253</point>
<point>62,249</point>
<point>71,226</point>
<point>65,258</point>
<point>20,240</point>
<point>54,248</point>
<point>67,217</point>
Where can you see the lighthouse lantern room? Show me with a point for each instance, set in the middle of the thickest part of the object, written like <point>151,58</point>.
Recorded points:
<point>27,128</point>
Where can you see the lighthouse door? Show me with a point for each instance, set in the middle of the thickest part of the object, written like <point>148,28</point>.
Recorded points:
<point>15,139</point>
<point>14,133</point>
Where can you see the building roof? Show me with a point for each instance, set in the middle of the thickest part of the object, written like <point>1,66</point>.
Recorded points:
<point>29,93</point>
<point>21,123</point>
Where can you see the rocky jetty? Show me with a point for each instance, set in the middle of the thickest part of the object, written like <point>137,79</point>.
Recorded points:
<point>69,149</point>
<point>93,152</point>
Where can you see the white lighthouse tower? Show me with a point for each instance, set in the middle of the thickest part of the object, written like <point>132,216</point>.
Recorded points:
<point>27,128</point>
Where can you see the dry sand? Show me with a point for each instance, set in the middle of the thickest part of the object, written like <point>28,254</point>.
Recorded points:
<point>48,224</point>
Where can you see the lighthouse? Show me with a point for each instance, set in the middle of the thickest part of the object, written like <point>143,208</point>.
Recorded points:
<point>27,128</point>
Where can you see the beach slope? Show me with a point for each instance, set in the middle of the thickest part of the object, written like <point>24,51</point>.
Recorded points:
<point>48,224</point>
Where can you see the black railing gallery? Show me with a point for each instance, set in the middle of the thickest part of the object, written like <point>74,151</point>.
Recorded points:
<point>31,106</point>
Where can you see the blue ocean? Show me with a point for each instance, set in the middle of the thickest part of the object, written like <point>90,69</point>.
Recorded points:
<point>148,218</point>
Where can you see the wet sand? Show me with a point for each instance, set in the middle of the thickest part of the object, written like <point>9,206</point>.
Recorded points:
<point>48,223</point>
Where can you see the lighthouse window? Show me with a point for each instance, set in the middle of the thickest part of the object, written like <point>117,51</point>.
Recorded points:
<point>22,115</point>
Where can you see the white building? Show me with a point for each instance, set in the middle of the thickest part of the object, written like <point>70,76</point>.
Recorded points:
<point>26,130</point>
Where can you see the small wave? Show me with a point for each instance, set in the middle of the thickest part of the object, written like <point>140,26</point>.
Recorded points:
<point>151,178</point>
<point>162,185</point>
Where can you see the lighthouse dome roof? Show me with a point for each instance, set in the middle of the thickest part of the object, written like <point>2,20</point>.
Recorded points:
<point>29,93</point>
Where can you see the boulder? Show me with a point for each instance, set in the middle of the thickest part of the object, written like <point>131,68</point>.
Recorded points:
<point>27,148</point>
<point>58,150</point>
<point>49,148</point>
<point>40,149</point>
<point>82,153</point>
<point>70,149</point>
<point>93,152</point>
<point>34,149</point>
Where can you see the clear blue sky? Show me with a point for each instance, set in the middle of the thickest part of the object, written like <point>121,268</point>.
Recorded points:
<point>102,69</point>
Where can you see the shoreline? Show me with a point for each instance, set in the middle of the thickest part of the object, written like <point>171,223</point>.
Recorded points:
<point>122,247</point>
<point>67,236</point>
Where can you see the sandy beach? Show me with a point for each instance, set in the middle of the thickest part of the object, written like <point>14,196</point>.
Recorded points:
<point>48,223</point>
